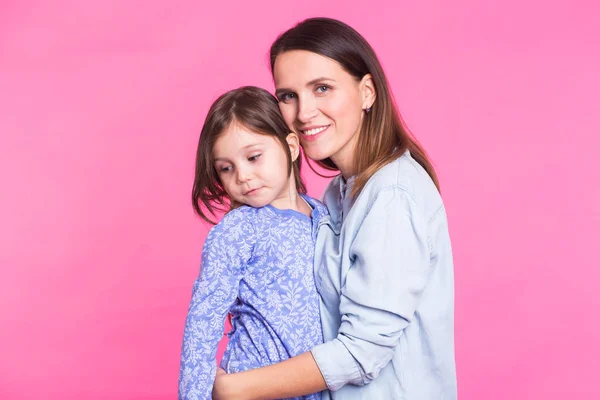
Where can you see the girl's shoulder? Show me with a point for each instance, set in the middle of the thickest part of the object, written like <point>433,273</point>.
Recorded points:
<point>239,214</point>
<point>233,238</point>
<point>240,219</point>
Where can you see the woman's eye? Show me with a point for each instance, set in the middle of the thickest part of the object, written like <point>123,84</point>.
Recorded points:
<point>225,169</point>
<point>254,157</point>
<point>285,97</point>
<point>322,88</point>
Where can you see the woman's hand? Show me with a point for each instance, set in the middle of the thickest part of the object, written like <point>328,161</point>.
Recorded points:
<point>223,388</point>
<point>297,376</point>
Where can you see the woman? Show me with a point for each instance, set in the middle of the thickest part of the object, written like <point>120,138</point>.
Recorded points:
<point>383,262</point>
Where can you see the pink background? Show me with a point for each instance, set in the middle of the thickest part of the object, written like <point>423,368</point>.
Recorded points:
<point>100,110</point>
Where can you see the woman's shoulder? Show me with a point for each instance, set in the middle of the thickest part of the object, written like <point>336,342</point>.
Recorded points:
<point>404,173</point>
<point>406,176</point>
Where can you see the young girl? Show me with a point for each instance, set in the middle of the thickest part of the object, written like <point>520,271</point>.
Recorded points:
<point>257,263</point>
<point>383,261</point>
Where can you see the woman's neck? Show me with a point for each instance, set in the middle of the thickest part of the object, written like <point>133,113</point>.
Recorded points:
<point>345,159</point>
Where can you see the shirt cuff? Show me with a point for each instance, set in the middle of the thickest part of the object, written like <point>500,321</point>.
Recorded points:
<point>337,365</point>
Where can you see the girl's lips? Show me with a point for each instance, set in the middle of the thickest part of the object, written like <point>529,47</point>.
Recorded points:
<point>252,192</point>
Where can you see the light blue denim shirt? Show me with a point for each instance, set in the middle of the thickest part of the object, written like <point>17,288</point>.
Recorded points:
<point>384,271</point>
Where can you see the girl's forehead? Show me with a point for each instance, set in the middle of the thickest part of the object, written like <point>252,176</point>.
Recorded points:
<point>239,133</point>
<point>237,138</point>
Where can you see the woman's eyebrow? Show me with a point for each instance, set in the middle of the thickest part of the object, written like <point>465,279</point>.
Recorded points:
<point>309,83</point>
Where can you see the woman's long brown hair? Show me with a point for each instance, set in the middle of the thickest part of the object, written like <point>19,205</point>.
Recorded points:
<point>383,137</point>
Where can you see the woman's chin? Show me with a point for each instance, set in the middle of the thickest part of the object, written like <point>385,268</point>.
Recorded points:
<point>316,155</point>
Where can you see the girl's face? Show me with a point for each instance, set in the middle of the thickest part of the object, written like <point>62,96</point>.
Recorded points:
<point>323,104</point>
<point>253,168</point>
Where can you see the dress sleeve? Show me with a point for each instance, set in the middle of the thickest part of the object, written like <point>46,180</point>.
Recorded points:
<point>227,249</point>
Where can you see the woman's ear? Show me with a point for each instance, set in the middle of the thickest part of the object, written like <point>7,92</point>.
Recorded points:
<point>294,142</point>
<point>367,88</point>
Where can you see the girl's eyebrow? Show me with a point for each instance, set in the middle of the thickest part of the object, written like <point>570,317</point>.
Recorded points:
<point>251,146</point>
<point>309,83</point>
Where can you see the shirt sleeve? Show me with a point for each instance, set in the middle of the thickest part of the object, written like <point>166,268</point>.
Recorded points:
<point>224,256</point>
<point>389,271</point>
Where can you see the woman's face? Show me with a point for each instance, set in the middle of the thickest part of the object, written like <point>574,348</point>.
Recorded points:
<point>323,104</point>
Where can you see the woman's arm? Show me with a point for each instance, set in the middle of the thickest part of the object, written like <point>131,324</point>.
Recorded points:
<point>297,376</point>
<point>390,269</point>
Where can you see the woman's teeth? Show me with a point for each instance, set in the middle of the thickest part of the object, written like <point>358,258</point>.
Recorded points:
<point>314,131</point>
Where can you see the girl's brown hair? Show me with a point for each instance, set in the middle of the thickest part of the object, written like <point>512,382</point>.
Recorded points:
<point>383,137</point>
<point>256,110</point>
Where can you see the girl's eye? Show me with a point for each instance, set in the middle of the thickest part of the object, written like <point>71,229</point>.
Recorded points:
<point>225,169</point>
<point>322,88</point>
<point>286,97</point>
<point>254,157</point>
